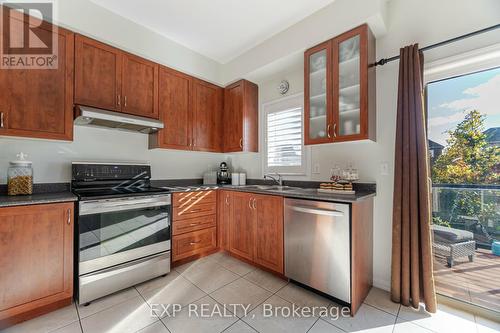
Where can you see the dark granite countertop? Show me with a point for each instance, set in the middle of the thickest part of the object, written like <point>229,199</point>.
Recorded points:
<point>36,199</point>
<point>290,192</point>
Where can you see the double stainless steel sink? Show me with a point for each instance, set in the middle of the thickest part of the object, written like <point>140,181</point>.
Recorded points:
<point>277,188</point>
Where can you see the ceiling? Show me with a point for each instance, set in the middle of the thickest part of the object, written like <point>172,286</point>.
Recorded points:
<point>218,29</point>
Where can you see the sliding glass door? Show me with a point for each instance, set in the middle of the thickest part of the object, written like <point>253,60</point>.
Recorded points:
<point>464,143</point>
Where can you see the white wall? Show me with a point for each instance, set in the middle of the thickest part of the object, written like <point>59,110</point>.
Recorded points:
<point>332,20</point>
<point>423,21</point>
<point>94,21</point>
<point>52,159</point>
<point>408,21</point>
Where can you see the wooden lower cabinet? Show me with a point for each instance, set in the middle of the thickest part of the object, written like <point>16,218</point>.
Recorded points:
<point>242,225</point>
<point>193,243</point>
<point>255,227</point>
<point>194,224</point>
<point>248,225</point>
<point>269,242</point>
<point>36,265</point>
<point>224,203</point>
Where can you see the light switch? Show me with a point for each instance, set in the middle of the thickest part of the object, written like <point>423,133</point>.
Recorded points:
<point>384,169</point>
<point>316,169</point>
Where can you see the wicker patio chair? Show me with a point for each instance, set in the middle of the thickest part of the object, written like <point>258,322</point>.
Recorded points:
<point>453,243</point>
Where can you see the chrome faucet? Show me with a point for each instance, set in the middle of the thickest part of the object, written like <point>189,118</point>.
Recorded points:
<point>277,178</point>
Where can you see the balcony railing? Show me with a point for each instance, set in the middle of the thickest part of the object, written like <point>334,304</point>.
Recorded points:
<point>466,221</point>
<point>470,207</point>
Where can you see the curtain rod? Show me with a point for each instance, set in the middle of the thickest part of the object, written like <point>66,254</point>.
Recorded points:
<point>384,61</point>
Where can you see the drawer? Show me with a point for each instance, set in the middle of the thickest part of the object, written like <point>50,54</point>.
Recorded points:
<point>185,199</point>
<point>193,243</point>
<point>188,225</point>
<point>193,211</point>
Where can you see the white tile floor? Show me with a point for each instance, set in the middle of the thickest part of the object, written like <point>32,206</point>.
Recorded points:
<point>220,279</point>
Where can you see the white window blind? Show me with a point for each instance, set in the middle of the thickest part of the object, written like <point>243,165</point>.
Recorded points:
<point>284,138</point>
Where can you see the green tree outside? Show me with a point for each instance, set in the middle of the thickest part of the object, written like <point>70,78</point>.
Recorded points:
<point>467,157</point>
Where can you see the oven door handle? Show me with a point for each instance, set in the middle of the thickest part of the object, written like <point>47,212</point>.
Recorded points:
<point>95,207</point>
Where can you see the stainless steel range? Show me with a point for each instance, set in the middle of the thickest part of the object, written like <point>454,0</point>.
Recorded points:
<point>123,228</point>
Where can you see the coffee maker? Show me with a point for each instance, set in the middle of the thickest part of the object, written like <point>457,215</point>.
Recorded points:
<point>223,176</point>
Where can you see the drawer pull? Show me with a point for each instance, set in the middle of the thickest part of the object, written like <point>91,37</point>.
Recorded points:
<point>195,210</point>
<point>193,223</point>
<point>194,243</point>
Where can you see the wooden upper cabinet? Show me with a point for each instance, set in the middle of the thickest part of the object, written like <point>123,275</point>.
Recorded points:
<point>174,101</point>
<point>269,232</point>
<point>139,86</point>
<point>240,117</point>
<point>207,115</point>
<point>38,103</point>
<point>191,110</point>
<point>340,92</point>
<point>98,73</point>
<point>32,237</point>
<point>111,79</point>
<point>242,225</point>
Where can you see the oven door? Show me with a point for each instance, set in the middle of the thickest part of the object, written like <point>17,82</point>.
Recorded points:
<point>115,231</point>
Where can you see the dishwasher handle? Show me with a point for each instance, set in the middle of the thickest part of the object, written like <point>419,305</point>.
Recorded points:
<point>317,211</point>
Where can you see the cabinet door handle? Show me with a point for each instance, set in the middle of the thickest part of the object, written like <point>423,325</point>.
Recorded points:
<point>334,130</point>
<point>1,120</point>
<point>227,200</point>
<point>254,204</point>
<point>193,243</point>
<point>328,131</point>
<point>119,100</point>
<point>69,216</point>
<point>241,143</point>
<point>250,203</point>
<point>125,101</point>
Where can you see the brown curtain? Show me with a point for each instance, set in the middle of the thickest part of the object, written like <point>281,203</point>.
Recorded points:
<point>412,279</point>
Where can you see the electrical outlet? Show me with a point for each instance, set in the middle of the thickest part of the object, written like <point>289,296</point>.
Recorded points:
<point>316,169</point>
<point>384,169</point>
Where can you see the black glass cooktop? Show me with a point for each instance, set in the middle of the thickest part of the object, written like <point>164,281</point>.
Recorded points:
<point>105,193</point>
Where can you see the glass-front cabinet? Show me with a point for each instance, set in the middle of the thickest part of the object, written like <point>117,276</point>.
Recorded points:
<point>318,69</point>
<point>340,88</point>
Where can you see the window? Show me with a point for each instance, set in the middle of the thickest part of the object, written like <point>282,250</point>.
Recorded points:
<point>283,136</point>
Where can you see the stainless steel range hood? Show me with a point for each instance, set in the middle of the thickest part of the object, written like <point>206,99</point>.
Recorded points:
<point>88,116</point>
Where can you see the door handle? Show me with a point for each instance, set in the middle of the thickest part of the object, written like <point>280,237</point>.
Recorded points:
<point>250,203</point>
<point>1,119</point>
<point>119,100</point>
<point>317,211</point>
<point>69,216</point>
<point>254,203</point>
<point>241,143</point>
<point>334,130</point>
<point>328,131</point>
<point>227,200</point>
<point>125,101</point>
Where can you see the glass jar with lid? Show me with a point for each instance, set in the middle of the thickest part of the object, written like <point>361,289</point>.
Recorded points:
<point>20,176</point>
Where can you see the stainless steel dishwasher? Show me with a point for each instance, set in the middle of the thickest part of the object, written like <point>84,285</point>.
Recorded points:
<point>317,246</point>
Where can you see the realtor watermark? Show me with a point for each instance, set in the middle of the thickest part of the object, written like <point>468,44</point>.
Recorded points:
<point>267,310</point>
<point>28,40</point>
